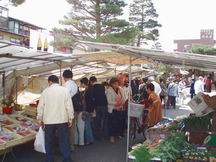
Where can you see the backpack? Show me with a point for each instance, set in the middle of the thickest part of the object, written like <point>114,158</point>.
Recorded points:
<point>77,102</point>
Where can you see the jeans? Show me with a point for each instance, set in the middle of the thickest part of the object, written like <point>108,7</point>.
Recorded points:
<point>79,133</point>
<point>89,138</point>
<point>63,139</point>
<point>101,122</point>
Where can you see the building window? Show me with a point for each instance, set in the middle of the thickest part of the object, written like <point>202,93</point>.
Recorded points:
<point>16,27</point>
<point>1,37</point>
<point>15,40</point>
<point>11,26</point>
<point>3,12</point>
<point>24,30</point>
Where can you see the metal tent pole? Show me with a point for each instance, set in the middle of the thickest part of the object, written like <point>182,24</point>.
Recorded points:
<point>60,71</point>
<point>16,93</point>
<point>129,98</point>
<point>3,84</point>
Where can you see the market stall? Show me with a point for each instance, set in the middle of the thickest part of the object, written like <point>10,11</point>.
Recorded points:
<point>167,143</point>
<point>18,61</point>
<point>184,139</point>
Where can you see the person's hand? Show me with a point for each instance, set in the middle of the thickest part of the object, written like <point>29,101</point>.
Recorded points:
<point>42,125</point>
<point>70,124</point>
<point>93,114</point>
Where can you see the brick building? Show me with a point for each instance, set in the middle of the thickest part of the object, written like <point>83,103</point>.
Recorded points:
<point>206,38</point>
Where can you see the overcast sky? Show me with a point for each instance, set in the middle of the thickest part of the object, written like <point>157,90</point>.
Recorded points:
<point>179,18</point>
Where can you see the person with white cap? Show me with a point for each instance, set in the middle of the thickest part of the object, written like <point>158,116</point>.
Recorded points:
<point>199,85</point>
<point>157,88</point>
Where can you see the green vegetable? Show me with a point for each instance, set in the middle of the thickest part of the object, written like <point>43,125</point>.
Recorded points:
<point>141,154</point>
<point>171,148</point>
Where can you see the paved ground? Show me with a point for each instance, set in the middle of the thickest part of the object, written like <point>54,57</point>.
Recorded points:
<point>100,151</point>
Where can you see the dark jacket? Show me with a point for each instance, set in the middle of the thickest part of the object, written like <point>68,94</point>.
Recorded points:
<point>192,91</point>
<point>98,95</point>
<point>89,100</point>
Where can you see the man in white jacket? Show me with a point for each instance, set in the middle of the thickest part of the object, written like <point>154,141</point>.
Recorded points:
<point>55,112</point>
<point>199,85</point>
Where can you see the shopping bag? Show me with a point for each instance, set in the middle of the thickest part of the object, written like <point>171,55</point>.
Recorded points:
<point>39,144</point>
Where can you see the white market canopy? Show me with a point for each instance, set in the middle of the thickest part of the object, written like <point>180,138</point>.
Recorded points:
<point>28,62</point>
<point>110,59</point>
<point>189,60</point>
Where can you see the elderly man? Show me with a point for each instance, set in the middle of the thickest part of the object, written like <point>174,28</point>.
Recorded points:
<point>199,85</point>
<point>55,112</point>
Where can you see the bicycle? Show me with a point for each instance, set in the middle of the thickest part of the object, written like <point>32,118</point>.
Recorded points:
<point>135,123</point>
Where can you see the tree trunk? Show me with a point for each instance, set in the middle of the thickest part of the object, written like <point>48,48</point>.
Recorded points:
<point>138,41</point>
<point>141,28</point>
<point>98,19</point>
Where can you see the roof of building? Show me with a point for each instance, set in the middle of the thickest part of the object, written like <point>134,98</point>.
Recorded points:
<point>25,23</point>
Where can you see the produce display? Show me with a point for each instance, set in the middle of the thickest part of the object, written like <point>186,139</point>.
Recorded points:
<point>170,149</point>
<point>4,120</point>
<point>23,131</point>
<point>186,140</point>
<point>6,135</point>
<point>25,122</point>
<point>141,153</point>
<point>195,154</point>
<point>16,129</point>
<point>162,130</point>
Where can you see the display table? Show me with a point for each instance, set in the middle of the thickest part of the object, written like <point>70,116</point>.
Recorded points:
<point>31,111</point>
<point>16,129</point>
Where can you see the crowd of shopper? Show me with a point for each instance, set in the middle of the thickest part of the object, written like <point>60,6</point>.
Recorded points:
<point>83,111</point>
<point>174,90</point>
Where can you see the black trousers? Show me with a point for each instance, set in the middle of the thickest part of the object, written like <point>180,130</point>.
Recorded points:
<point>171,101</point>
<point>115,123</point>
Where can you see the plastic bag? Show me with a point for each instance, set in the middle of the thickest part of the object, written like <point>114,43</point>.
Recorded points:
<point>39,144</point>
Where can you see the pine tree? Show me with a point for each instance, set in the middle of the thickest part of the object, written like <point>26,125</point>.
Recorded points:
<point>17,2</point>
<point>13,2</point>
<point>144,16</point>
<point>97,20</point>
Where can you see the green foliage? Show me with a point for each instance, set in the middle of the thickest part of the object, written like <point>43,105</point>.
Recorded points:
<point>144,16</point>
<point>17,2</point>
<point>171,148</point>
<point>63,38</point>
<point>168,150</point>
<point>125,37</point>
<point>97,20</point>
<point>8,101</point>
<point>164,71</point>
<point>206,50</point>
<point>141,153</point>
